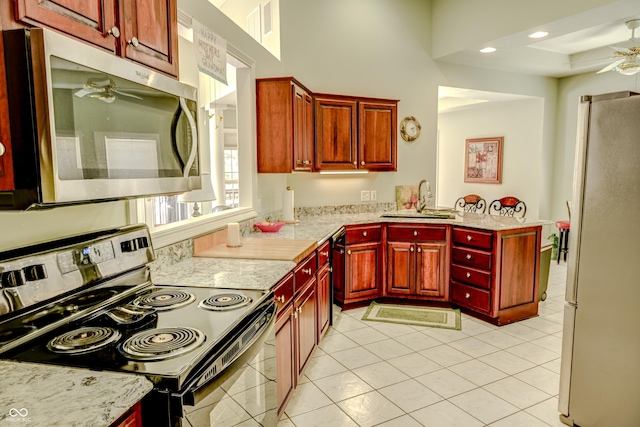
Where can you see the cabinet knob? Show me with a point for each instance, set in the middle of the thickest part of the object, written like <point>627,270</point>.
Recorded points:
<point>341,251</point>
<point>133,42</point>
<point>355,163</point>
<point>299,309</point>
<point>469,238</point>
<point>306,271</point>
<point>411,248</point>
<point>468,274</point>
<point>467,295</point>
<point>419,249</point>
<point>294,314</point>
<point>349,252</point>
<point>362,163</point>
<point>299,162</point>
<point>2,149</point>
<point>306,162</point>
<point>364,234</point>
<point>115,32</point>
<point>468,256</point>
<point>415,233</point>
<point>324,253</point>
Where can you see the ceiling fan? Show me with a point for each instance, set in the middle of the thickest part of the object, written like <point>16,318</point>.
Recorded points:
<point>628,59</point>
<point>105,91</point>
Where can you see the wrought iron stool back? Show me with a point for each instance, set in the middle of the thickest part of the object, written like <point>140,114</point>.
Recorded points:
<point>508,206</point>
<point>471,203</point>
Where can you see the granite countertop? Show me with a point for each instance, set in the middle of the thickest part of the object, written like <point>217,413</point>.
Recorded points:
<point>45,395</point>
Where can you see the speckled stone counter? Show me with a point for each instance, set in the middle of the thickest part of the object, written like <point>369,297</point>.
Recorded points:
<point>224,273</point>
<point>44,395</point>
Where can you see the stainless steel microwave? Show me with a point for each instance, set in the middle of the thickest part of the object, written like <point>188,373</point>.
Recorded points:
<point>89,126</point>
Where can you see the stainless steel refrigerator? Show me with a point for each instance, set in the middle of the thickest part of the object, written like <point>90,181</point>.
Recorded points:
<point>600,369</point>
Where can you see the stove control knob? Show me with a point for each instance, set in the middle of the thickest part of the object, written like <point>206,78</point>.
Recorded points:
<point>11,279</point>
<point>35,272</point>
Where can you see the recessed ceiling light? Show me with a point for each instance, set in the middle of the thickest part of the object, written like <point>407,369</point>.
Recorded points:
<point>538,34</point>
<point>488,49</point>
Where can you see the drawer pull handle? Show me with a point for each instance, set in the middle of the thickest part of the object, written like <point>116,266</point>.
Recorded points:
<point>364,234</point>
<point>468,274</point>
<point>415,233</point>
<point>280,299</point>
<point>306,271</point>
<point>467,295</point>
<point>468,256</point>
<point>469,238</point>
<point>324,253</point>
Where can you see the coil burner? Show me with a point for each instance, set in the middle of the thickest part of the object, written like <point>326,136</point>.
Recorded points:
<point>225,302</point>
<point>83,340</point>
<point>162,343</point>
<point>164,299</point>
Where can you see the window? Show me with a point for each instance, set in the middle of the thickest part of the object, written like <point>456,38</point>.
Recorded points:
<point>225,150</point>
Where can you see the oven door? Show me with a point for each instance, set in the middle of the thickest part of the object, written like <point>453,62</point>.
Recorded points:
<point>237,385</point>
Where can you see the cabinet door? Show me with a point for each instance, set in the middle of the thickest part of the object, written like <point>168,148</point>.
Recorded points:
<point>302,130</point>
<point>431,266</point>
<point>377,136</point>
<point>400,263</point>
<point>324,300</point>
<point>305,315</point>
<point>132,418</point>
<point>150,33</point>
<point>88,20</point>
<point>362,271</point>
<point>336,134</point>
<point>274,122</point>
<point>6,161</point>
<point>285,356</point>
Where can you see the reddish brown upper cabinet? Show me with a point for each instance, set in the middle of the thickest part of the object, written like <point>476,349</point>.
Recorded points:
<point>285,126</point>
<point>417,262</point>
<point>355,133</point>
<point>145,31</point>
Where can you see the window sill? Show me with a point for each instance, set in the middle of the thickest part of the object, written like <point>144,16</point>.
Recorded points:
<point>193,227</point>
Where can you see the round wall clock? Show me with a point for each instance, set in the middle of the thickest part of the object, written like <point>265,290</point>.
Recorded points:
<point>410,128</point>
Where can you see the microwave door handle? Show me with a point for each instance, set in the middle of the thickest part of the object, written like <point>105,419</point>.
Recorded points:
<point>194,138</point>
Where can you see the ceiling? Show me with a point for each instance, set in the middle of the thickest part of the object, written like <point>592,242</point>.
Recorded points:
<point>576,44</point>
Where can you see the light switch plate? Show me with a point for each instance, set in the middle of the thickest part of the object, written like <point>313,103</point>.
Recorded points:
<point>365,195</point>
<point>374,195</point>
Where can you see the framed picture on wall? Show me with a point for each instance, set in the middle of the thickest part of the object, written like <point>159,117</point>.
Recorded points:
<point>483,160</point>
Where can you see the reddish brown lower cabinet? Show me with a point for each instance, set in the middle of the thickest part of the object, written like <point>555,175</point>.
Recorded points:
<point>6,162</point>
<point>132,418</point>
<point>305,317</point>
<point>357,264</point>
<point>323,296</point>
<point>496,274</point>
<point>417,261</point>
<point>285,356</point>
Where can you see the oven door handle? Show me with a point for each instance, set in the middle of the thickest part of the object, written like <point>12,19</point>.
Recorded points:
<point>201,388</point>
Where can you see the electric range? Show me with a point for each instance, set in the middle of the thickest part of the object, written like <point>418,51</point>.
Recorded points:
<point>88,301</point>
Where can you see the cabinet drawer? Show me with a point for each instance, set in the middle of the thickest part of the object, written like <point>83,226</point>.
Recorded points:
<point>415,233</point>
<point>366,233</point>
<point>304,271</point>
<point>468,296</point>
<point>284,292</point>
<point>471,276</point>
<point>474,238</point>
<point>323,254</point>
<point>471,257</point>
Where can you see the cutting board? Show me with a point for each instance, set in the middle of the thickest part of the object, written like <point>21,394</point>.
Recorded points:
<point>275,249</point>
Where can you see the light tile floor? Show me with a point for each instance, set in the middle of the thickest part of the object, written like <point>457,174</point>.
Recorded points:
<point>377,374</point>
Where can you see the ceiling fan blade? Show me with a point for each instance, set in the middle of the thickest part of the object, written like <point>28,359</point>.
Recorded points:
<point>621,49</point>
<point>84,92</point>
<point>612,66</point>
<point>120,92</point>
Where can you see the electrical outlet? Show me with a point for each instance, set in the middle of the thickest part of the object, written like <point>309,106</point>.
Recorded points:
<point>365,196</point>
<point>374,195</point>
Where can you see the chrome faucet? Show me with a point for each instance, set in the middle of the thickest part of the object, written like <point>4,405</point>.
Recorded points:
<point>422,202</point>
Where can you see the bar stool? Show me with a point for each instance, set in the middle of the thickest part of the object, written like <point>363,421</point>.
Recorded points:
<point>563,241</point>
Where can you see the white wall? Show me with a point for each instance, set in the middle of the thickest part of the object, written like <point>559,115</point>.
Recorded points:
<point>521,124</point>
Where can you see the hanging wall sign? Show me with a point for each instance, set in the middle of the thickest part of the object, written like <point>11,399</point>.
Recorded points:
<point>211,52</point>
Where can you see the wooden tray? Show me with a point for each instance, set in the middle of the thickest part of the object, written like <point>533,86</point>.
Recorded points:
<point>255,248</point>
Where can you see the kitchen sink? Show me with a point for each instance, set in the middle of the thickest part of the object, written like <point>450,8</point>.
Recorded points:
<point>427,214</point>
